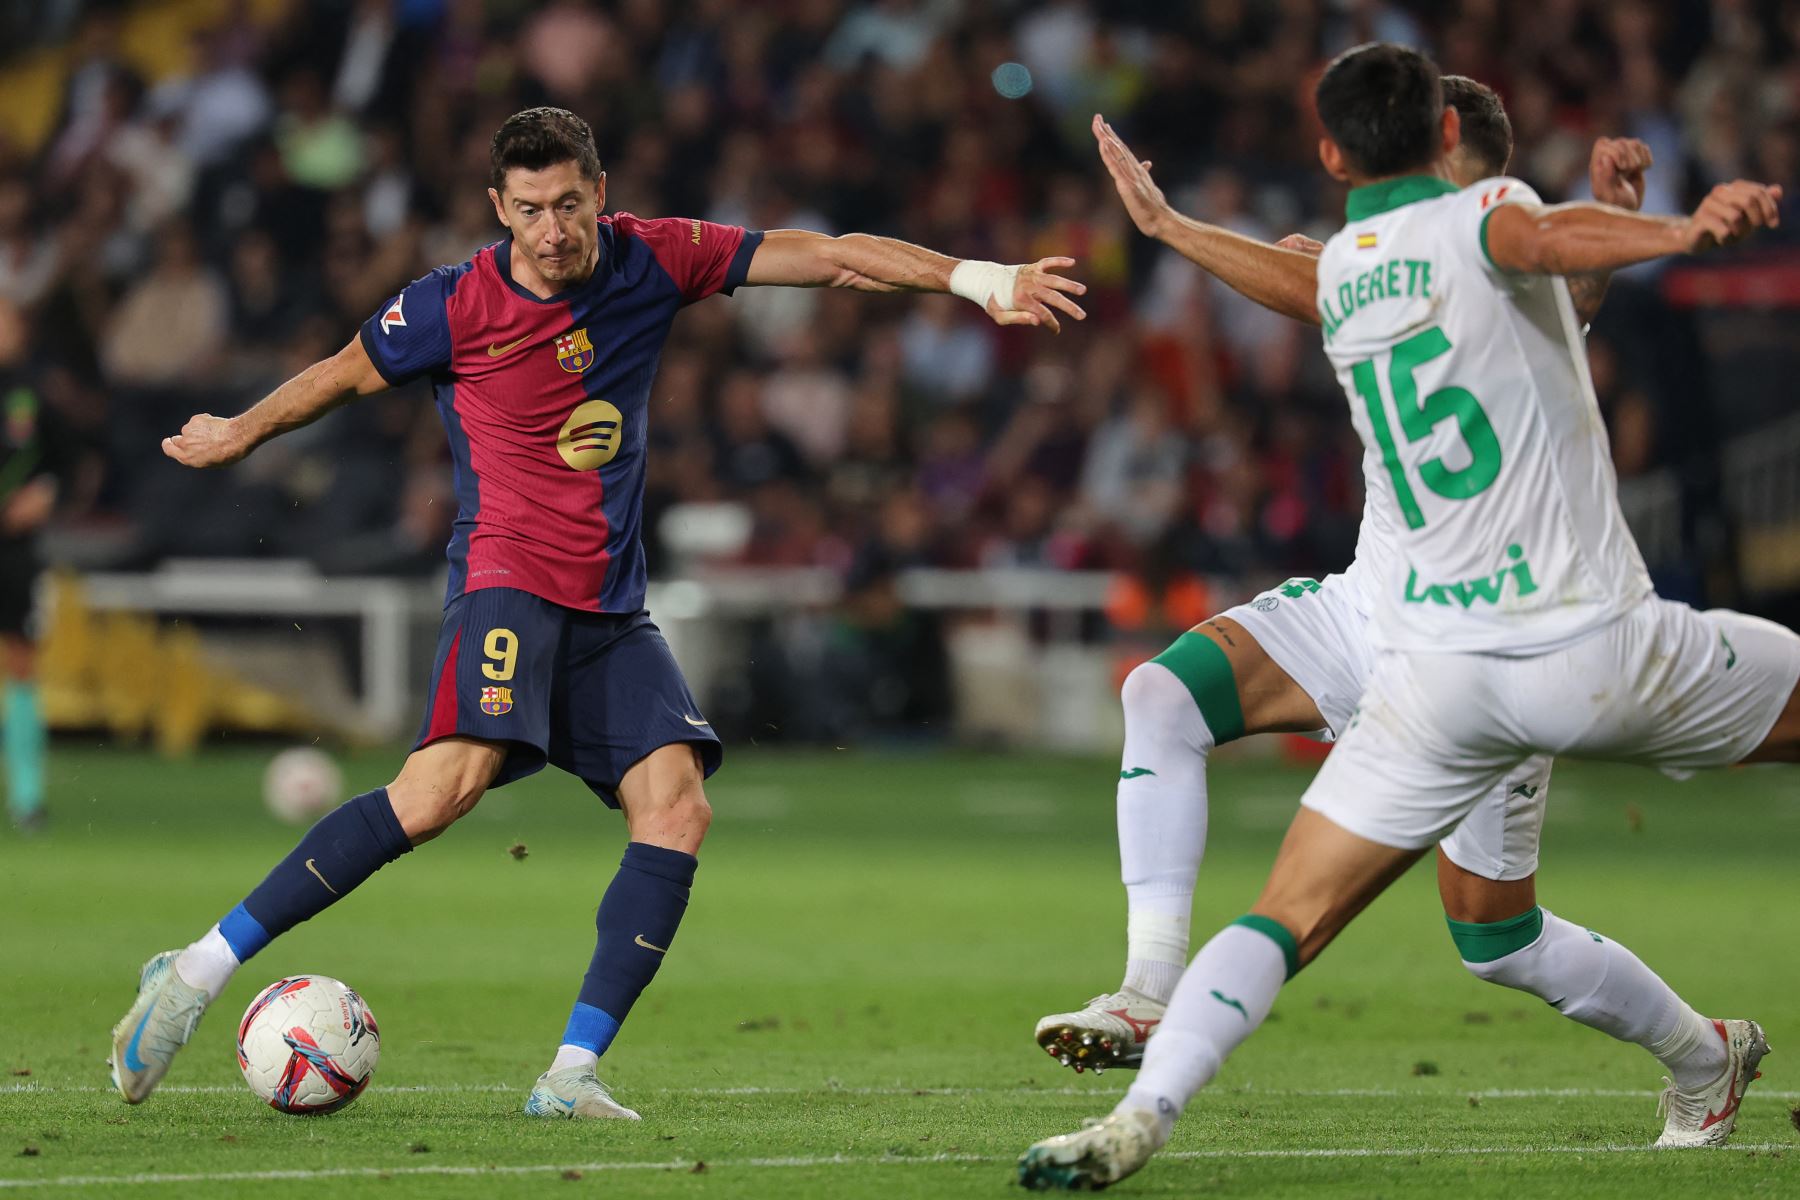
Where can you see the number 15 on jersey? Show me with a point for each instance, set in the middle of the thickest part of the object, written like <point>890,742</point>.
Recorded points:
<point>1418,419</point>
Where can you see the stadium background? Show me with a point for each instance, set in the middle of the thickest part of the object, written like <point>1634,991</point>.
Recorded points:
<point>200,197</point>
<point>875,518</point>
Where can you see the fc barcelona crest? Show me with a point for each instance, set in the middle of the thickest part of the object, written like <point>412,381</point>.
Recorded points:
<point>496,701</point>
<point>574,352</point>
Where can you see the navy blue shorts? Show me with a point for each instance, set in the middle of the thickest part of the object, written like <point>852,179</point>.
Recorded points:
<point>591,693</point>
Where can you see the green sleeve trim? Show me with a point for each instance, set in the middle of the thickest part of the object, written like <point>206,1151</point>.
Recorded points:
<point>1203,669</point>
<point>1485,252</point>
<point>1278,933</point>
<point>1479,943</point>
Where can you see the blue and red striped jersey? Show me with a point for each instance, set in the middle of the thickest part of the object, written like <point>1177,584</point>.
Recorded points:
<point>546,401</point>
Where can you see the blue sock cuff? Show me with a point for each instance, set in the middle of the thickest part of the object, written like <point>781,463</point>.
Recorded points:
<point>377,811</point>
<point>676,866</point>
<point>243,933</point>
<point>590,1028</point>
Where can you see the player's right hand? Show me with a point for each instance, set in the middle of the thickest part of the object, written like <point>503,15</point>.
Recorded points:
<point>207,441</point>
<point>1145,202</point>
<point>1302,243</point>
<point>1730,213</point>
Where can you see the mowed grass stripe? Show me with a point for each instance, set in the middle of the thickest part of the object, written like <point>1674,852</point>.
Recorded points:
<point>1098,1095</point>
<point>829,1160</point>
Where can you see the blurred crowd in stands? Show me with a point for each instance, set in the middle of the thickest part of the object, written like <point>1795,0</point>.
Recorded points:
<point>197,228</point>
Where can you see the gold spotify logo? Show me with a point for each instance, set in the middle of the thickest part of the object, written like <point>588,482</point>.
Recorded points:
<point>590,437</point>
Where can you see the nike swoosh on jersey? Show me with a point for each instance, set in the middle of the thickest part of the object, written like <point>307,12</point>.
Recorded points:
<point>496,351</point>
<point>319,877</point>
<point>639,939</point>
<point>695,721</point>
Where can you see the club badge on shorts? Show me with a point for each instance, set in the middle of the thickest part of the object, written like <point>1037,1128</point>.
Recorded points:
<point>496,701</point>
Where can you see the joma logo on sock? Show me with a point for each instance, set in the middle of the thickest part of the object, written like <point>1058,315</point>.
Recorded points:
<point>1486,589</point>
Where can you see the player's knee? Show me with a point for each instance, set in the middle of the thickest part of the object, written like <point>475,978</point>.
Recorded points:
<point>427,802</point>
<point>688,807</point>
<point>1155,700</point>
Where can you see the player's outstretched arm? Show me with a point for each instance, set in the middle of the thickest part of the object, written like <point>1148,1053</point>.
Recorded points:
<point>209,441</point>
<point>1572,239</point>
<point>1028,294</point>
<point>1283,280</point>
<point>1616,169</point>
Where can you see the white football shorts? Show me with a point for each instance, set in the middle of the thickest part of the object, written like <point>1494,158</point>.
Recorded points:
<point>1664,686</point>
<point>1316,631</point>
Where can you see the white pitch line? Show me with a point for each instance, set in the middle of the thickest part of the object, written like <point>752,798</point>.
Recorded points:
<point>833,1160</point>
<point>1099,1091</point>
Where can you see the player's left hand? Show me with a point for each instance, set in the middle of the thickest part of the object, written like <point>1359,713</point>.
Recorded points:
<point>1616,171</point>
<point>1302,243</point>
<point>1038,294</point>
<point>207,441</point>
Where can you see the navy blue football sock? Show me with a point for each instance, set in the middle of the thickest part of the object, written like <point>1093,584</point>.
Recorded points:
<point>346,846</point>
<point>637,921</point>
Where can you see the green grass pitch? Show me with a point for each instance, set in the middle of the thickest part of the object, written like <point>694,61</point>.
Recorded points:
<point>848,1011</point>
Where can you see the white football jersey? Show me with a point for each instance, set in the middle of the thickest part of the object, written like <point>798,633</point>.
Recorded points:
<point>1492,520</point>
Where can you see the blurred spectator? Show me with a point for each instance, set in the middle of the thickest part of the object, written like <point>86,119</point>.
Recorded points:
<point>170,328</point>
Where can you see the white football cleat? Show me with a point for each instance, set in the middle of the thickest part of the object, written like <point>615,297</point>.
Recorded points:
<point>574,1092</point>
<point>1101,1153</point>
<point>1706,1115</point>
<point>159,1023</point>
<point>1109,1032</point>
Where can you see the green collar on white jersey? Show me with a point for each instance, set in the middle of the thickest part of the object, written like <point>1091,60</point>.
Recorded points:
<point>1376,198</point>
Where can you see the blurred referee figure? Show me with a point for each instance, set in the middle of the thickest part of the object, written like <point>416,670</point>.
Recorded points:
<point>541,350</point>
<point>32,459</point>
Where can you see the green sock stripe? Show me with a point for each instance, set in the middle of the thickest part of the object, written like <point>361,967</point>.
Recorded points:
<point>1204,670</point>
<point>1479,943</point>
<point>1276,932</point>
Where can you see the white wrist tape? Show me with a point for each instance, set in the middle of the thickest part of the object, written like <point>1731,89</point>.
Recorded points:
<point>981,281</point>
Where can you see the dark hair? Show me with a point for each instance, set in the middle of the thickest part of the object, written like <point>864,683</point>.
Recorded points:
<point>1486,131</point>
<point>539,138</point>
<point>1382,105</point>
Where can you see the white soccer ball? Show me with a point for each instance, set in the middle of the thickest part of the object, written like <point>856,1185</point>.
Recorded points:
<point>308,1045</point>
<point>302,785</point>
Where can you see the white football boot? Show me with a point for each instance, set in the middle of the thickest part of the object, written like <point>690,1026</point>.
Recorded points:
<point>1706,1115</point>
<point>574,1092</point>
<point>1101,1153</point>
<point>159,1023</point>
<point>1109,1032</point>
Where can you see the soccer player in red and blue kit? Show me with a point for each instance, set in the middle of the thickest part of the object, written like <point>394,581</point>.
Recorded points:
<point>542,349</point>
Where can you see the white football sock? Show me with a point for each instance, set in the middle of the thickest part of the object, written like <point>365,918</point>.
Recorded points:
<point>208,964</point>
<point>1162,824</point>
<point>1604,986</point>
<point>1224,996</point>
<point>574,1056</point>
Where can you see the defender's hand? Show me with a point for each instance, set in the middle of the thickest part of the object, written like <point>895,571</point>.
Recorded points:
<point>1037,295</point>
<point>1302,243</point>
<point>207,441</point>
<point>1616,171</point>
<point>1149,209</point>
<point>1730,213</point>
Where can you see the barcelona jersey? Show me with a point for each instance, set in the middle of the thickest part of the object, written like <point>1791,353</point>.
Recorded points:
<point>546,401</point>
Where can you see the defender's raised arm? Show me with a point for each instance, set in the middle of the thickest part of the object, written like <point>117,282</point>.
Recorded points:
<point>1284,281</point>
<point>1029,294</point>
<point>209,441</point>
<point>1572,239</point>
